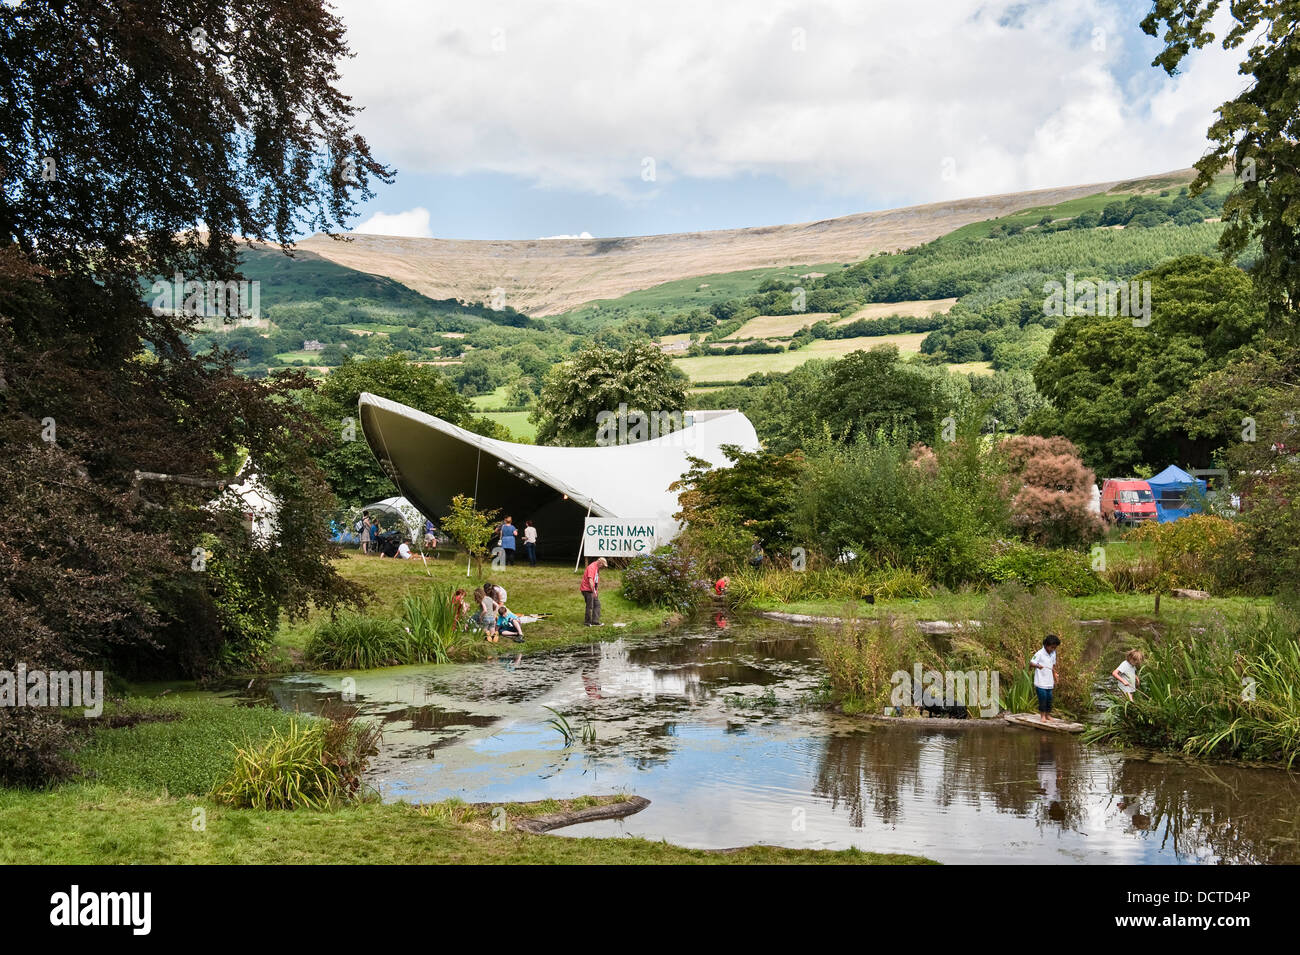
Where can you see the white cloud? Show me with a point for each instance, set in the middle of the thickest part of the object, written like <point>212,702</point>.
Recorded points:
<point>580,235</point>
<point>576,93</point>
<point>413,223</point>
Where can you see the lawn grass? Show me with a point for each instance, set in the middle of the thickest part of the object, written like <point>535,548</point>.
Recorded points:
<point>100,825</point>
<point>547,588</point>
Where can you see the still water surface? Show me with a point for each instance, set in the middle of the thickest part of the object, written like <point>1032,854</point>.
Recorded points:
<point>719,727</point>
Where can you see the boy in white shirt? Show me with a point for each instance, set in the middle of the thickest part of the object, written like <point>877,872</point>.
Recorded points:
<point>1126,672</point>
<point>1044,666</point>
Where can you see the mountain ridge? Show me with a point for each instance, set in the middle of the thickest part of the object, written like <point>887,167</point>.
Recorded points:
<point>543,277</point>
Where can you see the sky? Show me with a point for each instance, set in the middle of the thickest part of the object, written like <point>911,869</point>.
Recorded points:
<point>526,119</point>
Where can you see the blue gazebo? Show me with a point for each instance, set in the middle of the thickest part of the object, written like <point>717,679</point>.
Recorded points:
<point>1177,494</point>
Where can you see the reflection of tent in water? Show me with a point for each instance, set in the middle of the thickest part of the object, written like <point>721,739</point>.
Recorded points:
<point>1177,494</point>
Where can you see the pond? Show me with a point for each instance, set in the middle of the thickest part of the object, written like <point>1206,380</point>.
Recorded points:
<point>721,726</point>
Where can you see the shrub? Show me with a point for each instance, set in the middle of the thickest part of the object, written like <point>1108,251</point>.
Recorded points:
<point>32,744</point>
<point>1066,571</point>
<point>861,656</point>
<point>717,548</point>
<point>1052,505</point>
<point>781,585</point>
<point>933,510</point>
<point>666,578</point>
<point>353,641</point>
<point>316,765</point>
<point>1198,551</point>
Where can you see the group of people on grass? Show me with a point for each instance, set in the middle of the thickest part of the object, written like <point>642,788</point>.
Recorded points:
<point>369,530</point>
<point>490,615</point>
<point>1044,666</point>
<point>493,618</point>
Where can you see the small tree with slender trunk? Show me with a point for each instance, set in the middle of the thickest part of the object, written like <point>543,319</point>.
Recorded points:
<point>471,528</point>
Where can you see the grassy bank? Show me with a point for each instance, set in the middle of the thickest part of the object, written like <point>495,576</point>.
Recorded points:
<point>968,606</point>
<point>546,589</point>
<point>142,800</point>
<point>1226,691</point>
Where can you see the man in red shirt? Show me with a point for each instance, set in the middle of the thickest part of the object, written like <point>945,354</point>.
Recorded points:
<point>590,588</point>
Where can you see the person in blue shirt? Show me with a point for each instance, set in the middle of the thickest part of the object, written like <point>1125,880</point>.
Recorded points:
<point>508,534</point>
<point>508,624</point>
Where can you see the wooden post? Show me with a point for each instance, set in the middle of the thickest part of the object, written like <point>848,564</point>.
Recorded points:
<point>581,543</point>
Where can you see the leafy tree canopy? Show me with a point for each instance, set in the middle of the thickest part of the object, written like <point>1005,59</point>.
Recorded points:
<point>1256,132</point>
<point>1118,390</point>
<point>599,381</point>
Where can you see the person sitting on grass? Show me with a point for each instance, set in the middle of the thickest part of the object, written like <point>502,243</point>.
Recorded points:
<point>486,617</point>
<point>508,624</point>
<point>1044,665</point>
<point>459,608</point>
<point>1126,673</point>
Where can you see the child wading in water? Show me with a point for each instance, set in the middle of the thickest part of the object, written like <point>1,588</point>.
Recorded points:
<point>1044,664</point>
<point>1126,672</point>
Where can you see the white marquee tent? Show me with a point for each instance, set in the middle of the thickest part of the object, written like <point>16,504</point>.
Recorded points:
<point>431,461</point>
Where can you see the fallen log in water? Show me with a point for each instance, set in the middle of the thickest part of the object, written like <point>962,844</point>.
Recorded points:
<point>571,817</point>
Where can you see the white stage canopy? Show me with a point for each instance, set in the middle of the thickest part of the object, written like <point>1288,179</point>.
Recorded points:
<point>431,461</point>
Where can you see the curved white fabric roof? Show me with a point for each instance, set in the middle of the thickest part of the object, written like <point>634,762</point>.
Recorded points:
<point>432,460</point>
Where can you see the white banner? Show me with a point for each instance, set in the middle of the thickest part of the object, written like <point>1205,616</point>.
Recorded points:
<point>611,537</point>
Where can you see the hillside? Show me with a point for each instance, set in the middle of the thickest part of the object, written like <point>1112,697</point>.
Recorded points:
<point>551,276</point>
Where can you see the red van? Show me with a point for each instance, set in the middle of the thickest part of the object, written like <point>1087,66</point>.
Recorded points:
<point>1127,501</point>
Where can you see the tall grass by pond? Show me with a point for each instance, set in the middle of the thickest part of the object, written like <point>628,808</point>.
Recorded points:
<point>1230,689</point>
<point>424,633</point>
<point>861,656</point>
<point>311,765</point>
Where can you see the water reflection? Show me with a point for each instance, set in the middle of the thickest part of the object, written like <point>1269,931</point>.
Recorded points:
<point>713,726</point>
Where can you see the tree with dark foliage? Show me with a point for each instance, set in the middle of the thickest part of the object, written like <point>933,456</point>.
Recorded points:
<point>138,140</point>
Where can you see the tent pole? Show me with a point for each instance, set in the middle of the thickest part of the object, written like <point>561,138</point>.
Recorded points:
<point>478,461</point>
<point>581,541</point>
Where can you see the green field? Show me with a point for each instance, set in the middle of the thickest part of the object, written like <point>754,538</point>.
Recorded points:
<point>491,401</point>
<point>739,367</point>
<point>374,328</point>
<point>919,309</point>
<point>778,326</point>
<point>521,429</point>
<point>698,292</point>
